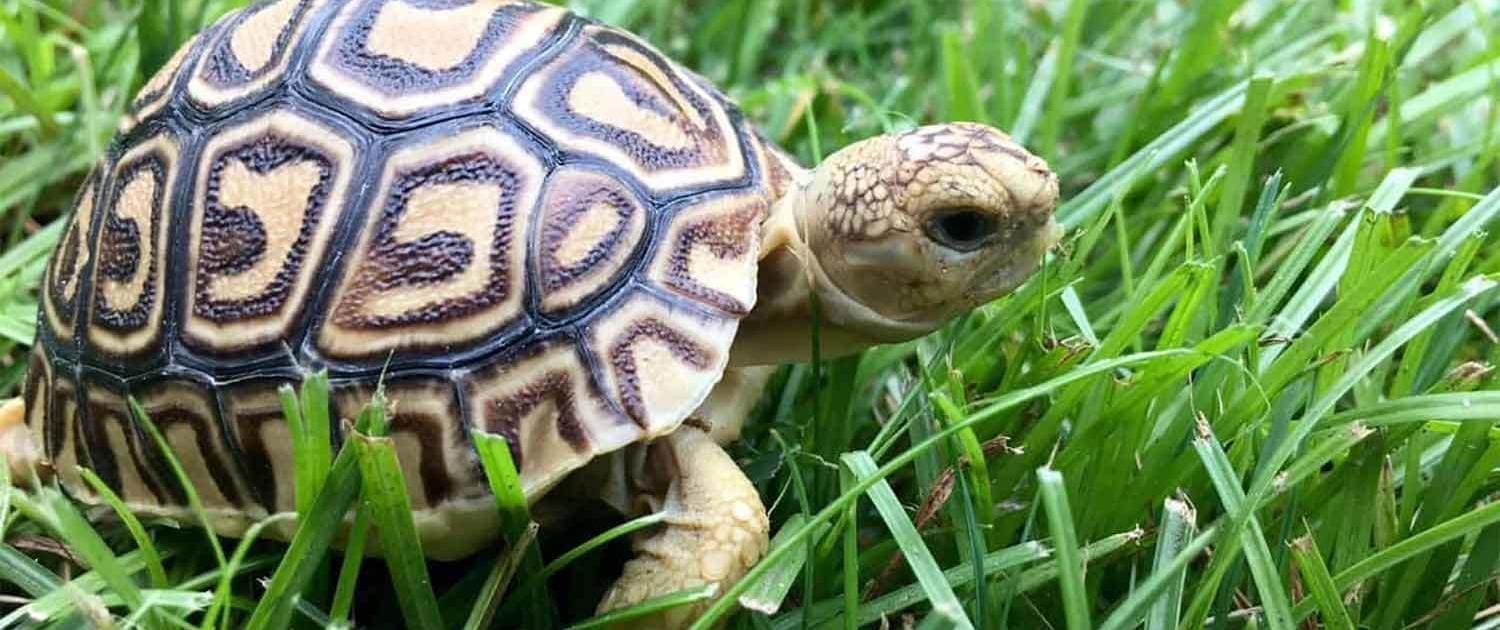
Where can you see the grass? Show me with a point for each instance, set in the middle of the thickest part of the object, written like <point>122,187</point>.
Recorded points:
<point>1254,387</point>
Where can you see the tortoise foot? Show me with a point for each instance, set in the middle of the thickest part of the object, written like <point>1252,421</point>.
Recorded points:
<point>716,528</point>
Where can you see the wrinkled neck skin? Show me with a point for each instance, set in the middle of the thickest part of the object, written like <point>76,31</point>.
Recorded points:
<point>779,329</point>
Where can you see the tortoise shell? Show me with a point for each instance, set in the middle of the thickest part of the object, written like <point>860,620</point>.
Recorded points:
<point>517,219</point>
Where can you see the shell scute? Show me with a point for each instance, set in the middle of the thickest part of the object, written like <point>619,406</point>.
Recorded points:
<point>65,271</point>
<point>118,451</point>
<point>267,197</point>
<point>547,404</point>
<point>131,246</point>
<point>427,438</point>
<point>589,225</point>
<point>158,90</point>
<point>250,54</point>
<point>657,359</point>
<point>709,253</point>
<point>259,433</point>
<point>400,59</point>
<point>440,262</point>
<point>515,220</point>
<point>187,415</point>
<point>610,95</point>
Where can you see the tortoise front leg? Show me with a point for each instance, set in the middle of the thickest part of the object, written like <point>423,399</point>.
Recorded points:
<point>21,452</point>
<point>715,527</point>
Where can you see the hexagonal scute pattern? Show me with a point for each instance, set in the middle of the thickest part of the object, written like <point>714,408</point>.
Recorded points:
<point>589,224</point>
<point>129,284</point>
<point>439,263</point>
<point>517,220</point>
<point>250,52</point>
<point>266,198</point>
<point>547,405</point>
<point>66,269</point>
<point>709,252</point>
<point>610,95</point>
<point>401,58</point>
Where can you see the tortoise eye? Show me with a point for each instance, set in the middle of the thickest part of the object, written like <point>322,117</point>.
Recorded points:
<point>961,229</point>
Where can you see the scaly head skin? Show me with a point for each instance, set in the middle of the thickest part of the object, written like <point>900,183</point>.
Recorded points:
<point>897,234</point>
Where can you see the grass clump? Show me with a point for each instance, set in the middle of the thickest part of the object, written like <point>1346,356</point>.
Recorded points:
<point>1254,386</point>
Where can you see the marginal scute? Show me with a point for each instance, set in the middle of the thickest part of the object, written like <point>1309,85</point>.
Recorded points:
<point>710,251</point>
<point>588,226</point>
<point>265,205</point>
<point>63,438</point>
<point>610,95</point>
<point>439,463</point>
<point>187,416</point>
<point>440,257</point>
<point>777,169</point>
<point>547,406</point>
<point>68,264</point>
<point>400,58</point>
<point>118,451</point>
<point>128,278</point>
<point>252,52</point>
<point>659,362</point>
<point>259,432</point>
<point>37,393</point>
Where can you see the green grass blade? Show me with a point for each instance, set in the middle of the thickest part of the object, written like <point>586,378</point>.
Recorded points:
<point>918,556</point>
<point>391,514</point>
<point>1049,571</point>
<point>1273,597</point>
<point>1468,524</point>
<point>994,408</point>
<point>68,524</point>
<point>19,569</point>
<point>650,607</point>
<point>515,516</point>
<point>230,570</point>
<point>132,524</point>
<point>354,557</point>
<point>995,563</point>
<point>1241,158</point>
<point>851,554</point>
<point>483,611</point>
<point>1260,487</point>
<point>1054,496</point>
<point>188,487</point>
<point>310,543</point>
<point>1320,584</point>
<point>1174,539</point>
<point>1149,595</point>
<point>72,594</point>
<point>771,590</point>
<point>307,420</point>
<point>1210,113</point>
<point>958,72</point>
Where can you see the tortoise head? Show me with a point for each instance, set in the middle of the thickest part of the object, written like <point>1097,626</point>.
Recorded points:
<point>910,229</point>
<point>897,234</point>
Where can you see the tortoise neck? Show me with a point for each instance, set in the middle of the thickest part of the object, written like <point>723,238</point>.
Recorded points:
<point>779,328</point>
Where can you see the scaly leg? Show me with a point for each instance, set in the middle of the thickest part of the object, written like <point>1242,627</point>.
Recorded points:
<point>716,527</point>
<point>21,452</point>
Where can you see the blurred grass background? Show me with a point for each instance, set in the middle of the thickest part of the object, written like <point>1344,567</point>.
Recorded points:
<point>1253,388</point>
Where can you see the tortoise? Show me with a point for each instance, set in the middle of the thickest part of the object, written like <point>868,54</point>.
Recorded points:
<point>519,221</point>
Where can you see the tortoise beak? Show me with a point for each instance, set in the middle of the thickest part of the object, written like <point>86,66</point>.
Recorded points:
<point>1008,272</point>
